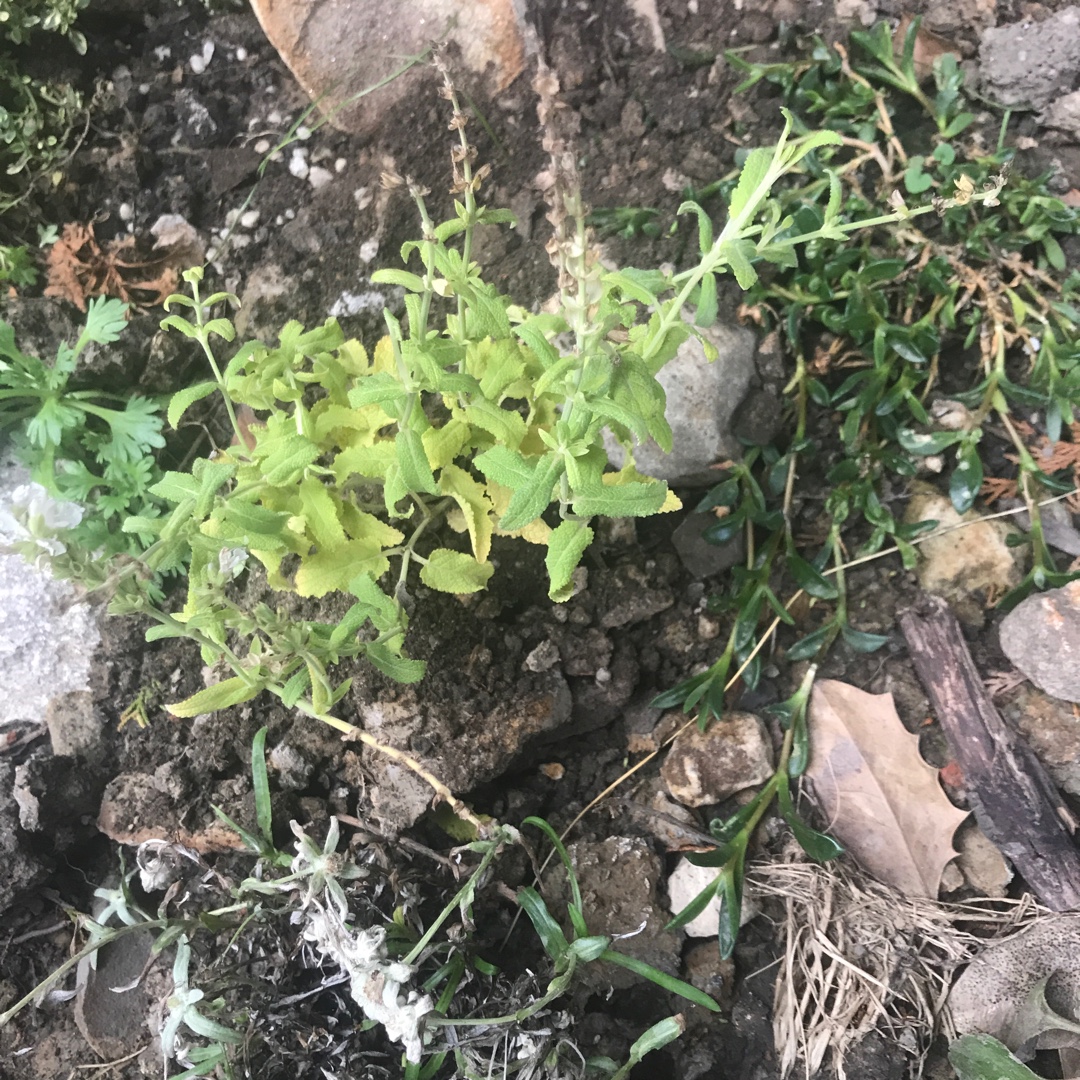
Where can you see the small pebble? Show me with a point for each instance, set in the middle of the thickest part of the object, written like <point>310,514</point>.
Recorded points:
<point>279,220</point>
<point>230,218</point>
<point>144,88</point>
<point>200,61</point>
<point>368,250</point>
<point>303,132</point>
<point>363,197</point>
<point>126,211</point>
<point>290,214</point>
<point>298,165</point>
<point>262,146</point>
<point>274,117</point>
<point>339,165</point>
<point>241,54</point>
<point>319,177</point>
<point>276,156</point>
<point>249,219</point>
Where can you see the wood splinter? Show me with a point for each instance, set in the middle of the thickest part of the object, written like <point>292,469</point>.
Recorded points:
<point>1014,800</point>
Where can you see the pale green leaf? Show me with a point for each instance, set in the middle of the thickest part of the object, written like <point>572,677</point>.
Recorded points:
<point>506,467</point>
<point>566,545</point>
<point>455,572</point>
<point>507,426</point>
<point>221,695</point>
<point>320,513</point>
<point>413,461</point>
<point>335,569</point>
<point>475,507</point>
<point>182,400</point>
<point>754,171</point>
<point>398,668</point>
<point>621,500</point>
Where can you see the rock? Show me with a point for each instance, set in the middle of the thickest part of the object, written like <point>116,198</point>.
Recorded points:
<point>702,398</point>
<point>464,744</point>
<point>336,48</point>
<point>1064,115</point>
<point>75,726</point>
<point>1052,730</point>
<point>952,18</point>
<point>965,566</point>
<point>984,867</point>
<point>759,418</point>
<point>134,810</point>
<point>619,879</point>
<point>997,987</point>
<point>705,767</point>
<point>47,637</point>
<point>21,870</point>
<point>685,882</point>
<point>701,558</point>
<point>708,972</point>
<point>1041,636</point>
<point>112,1001</point>
<point>1029,64</point>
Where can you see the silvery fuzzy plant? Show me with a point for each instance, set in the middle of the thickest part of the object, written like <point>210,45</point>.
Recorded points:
<point>473,413</point>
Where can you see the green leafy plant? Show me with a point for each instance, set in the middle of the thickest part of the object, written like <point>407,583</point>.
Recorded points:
<point>733,834</point>
<point>87,447</point>
<point>17,266</point>
<point>392,972</point>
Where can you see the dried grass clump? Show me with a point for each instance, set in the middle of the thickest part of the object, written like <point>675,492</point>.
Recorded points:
<point>858,956</point>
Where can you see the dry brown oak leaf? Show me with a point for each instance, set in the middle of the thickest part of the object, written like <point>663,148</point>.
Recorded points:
<point>878,796</point>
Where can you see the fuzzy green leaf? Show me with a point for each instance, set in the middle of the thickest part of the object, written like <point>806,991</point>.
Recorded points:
<point>221,695</point>
<point>413,460</point>
<point>399,277</point>
<point>399,668</point>
<point>182,400</point>
<point>754,171</point>
<point>507,426</point>
<point>455,572</point>
<point>334,569</point>
<point>621,500</point>
<point>320,513</point>
<point>566,545</point>
<point>533,497</point>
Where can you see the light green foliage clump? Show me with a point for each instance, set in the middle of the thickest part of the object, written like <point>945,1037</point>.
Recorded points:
<point>83,446</point>
<point>475,413</point>
<point>36,117</point>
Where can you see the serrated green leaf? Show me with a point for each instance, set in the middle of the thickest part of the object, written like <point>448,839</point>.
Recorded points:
<point>221,695</point>
<point>455,572</point>
<point>621,500</point>
<point>105,320</point>
<point>413,461</point>
<point>284,458</point>
<point>399,277</point>
<point>754,171</point>
<point>399,668</point>
<point>320,513</point>
<point>475,507</point>
<point>182,400</point>
<point>533,496</point>
<point>334,569</point>
<point>566,545</point>
<point>507,426</point>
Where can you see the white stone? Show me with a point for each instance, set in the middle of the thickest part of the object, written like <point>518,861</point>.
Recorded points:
<point>298,165</point>
<point>249,219</point>
<point>262,146</point>
<point>368,250</point>
<point>319,177</point>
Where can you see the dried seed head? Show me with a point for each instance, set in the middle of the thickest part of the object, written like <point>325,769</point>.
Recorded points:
<point>390,180</point>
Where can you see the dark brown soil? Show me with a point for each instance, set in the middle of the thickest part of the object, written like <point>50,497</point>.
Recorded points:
<point>163,141</point>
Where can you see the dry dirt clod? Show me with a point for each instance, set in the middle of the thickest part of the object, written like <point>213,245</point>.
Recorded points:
<point>705,767</point>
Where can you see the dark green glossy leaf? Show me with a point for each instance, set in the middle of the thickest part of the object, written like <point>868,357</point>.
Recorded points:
<point>810,579</point>
<point>816,844</point>
<point>861,641</point>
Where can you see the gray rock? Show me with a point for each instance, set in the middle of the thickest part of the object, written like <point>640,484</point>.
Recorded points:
<point>1041,636</point>
<point>701,558</point>
<point>702,398</point>
<point>1051,729</point>
<point>1029,64</point>
<point>1064,115</point>
<point>21,870</point>
<point>47,637</point>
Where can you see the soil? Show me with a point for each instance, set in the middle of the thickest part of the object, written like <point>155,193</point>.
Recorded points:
<point>502,725</point>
